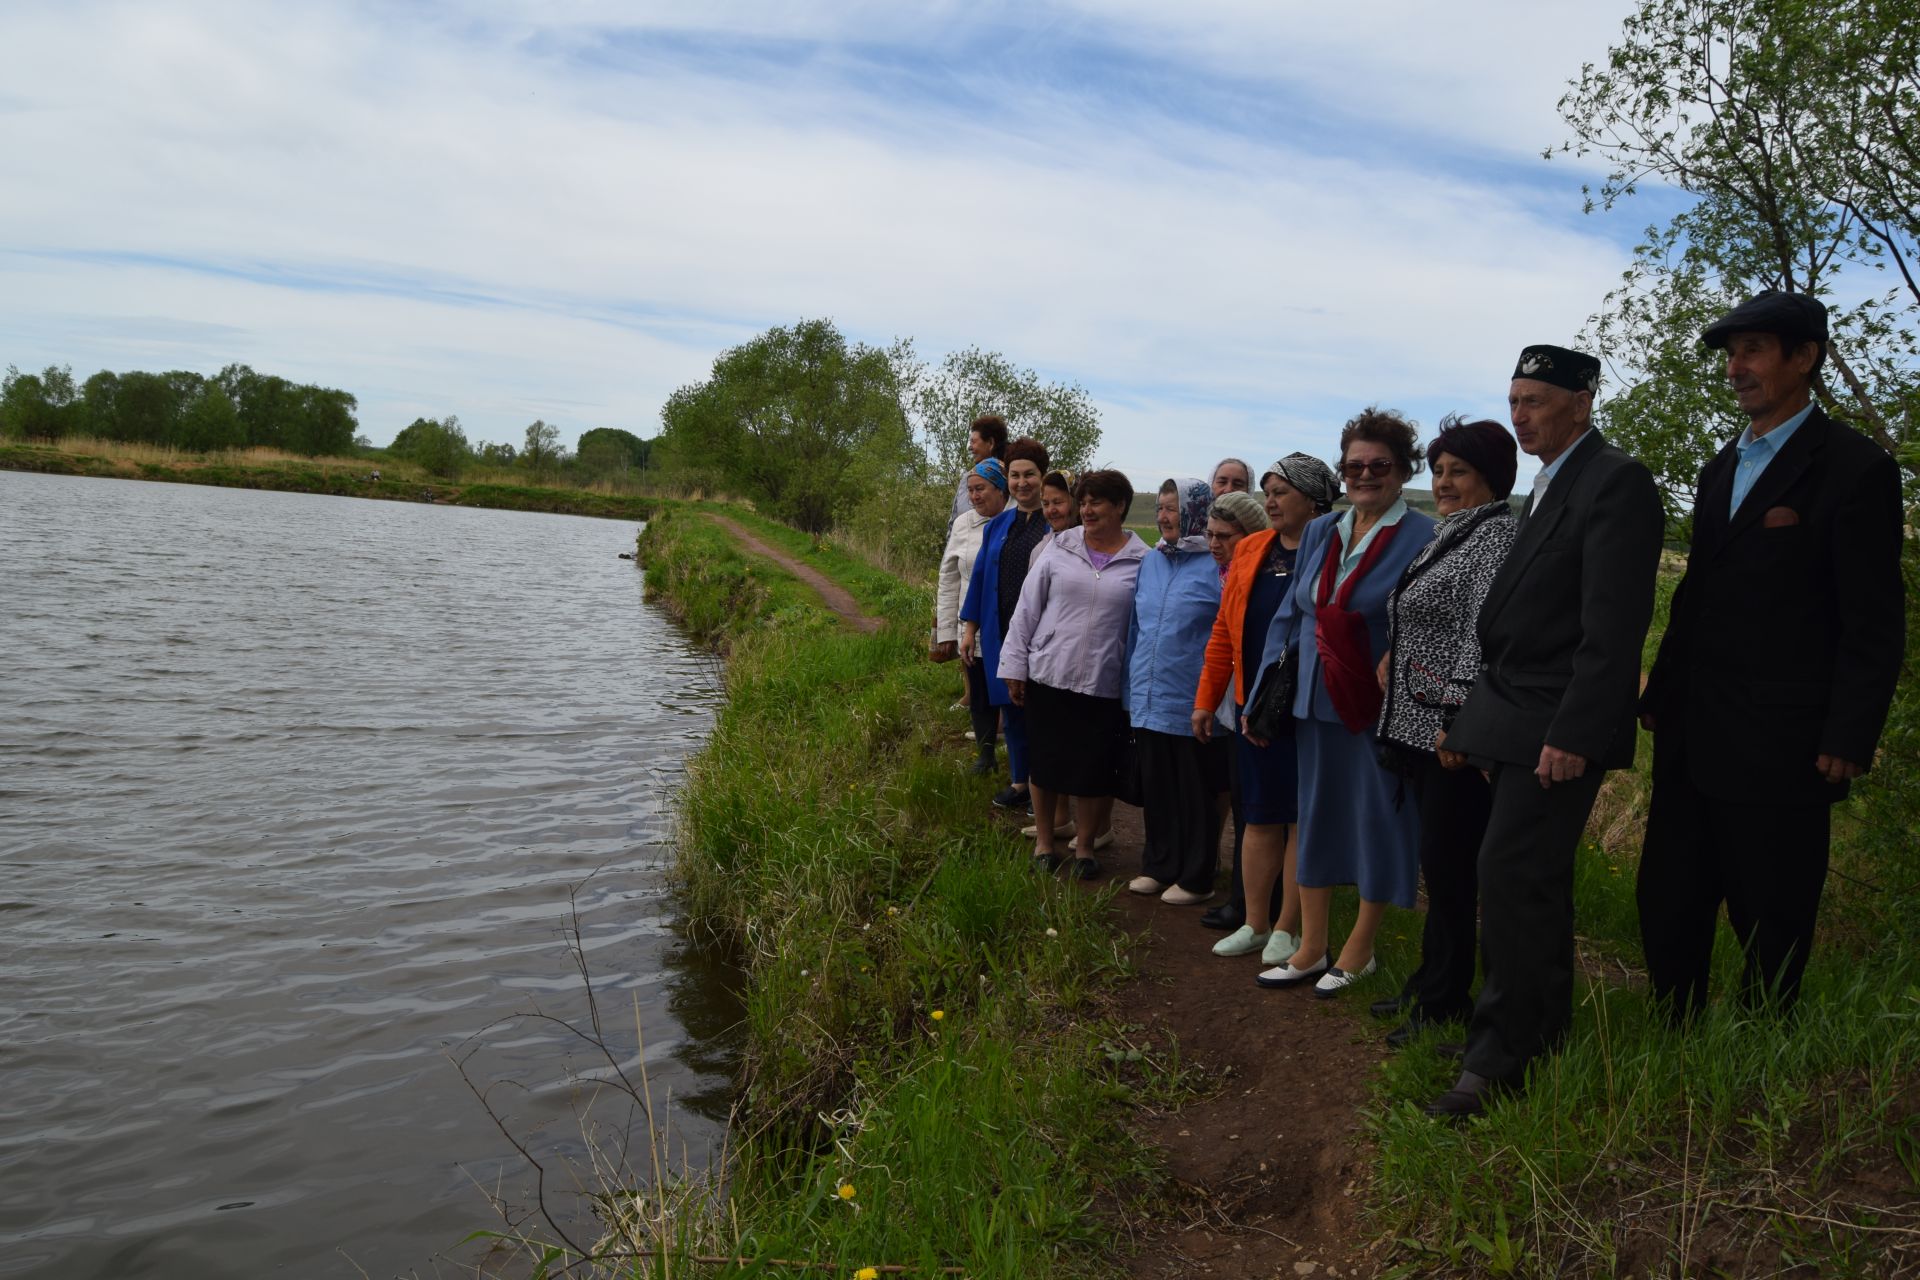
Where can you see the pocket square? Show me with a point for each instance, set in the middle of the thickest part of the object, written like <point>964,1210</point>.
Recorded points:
<point>1779,518</point>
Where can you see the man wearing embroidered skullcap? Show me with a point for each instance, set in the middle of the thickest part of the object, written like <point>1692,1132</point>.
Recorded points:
<point>1560,637</point>
<point>1776,669</point>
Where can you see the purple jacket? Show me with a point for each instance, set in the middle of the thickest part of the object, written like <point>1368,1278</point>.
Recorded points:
<point>1070,629</point>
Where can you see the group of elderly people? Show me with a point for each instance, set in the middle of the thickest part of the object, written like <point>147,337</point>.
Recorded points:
<point>1381,698</point>
<point>1118,668</point>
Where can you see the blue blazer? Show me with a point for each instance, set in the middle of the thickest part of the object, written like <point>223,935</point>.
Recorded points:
<point>982,605</point>
<point>1175,601</point>
<point>1293,622</point>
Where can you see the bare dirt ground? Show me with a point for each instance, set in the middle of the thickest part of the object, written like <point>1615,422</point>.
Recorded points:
<point>1268,1166</point>
<point>831,593</point>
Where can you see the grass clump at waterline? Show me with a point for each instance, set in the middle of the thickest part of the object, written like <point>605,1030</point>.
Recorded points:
<point>272,470</point>
<point>1750,1145</point>
<point>928,1081</point>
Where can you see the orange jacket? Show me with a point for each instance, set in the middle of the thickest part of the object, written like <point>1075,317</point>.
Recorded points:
<point>1224,646</point>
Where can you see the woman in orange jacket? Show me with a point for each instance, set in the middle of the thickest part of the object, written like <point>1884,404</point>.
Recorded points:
<point>1297,488</point>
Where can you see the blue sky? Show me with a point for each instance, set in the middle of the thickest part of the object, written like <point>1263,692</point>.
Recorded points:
<point>1234,223</point>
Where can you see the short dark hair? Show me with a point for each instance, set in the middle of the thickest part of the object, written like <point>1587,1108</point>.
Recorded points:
<point>1390,428</point>
<point>1111,485</point>
<point>1028,449</point>
<point>993,429</point>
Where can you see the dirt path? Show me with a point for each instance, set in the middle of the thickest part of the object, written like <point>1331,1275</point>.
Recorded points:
<point>1268,1167</point>
<point>831,593</point>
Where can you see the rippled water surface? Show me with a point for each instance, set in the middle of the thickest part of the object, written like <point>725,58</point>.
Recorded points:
<point>295,793</point>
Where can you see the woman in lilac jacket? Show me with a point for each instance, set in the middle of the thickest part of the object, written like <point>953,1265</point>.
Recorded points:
<point>1064,659</point>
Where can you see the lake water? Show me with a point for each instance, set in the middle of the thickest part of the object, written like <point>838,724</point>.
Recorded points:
<point>298,796</point>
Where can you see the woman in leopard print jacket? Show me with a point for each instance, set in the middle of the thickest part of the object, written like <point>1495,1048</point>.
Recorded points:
<point>1433,657</point>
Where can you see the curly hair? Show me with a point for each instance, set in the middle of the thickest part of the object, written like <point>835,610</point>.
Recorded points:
<point>993,429</point>
<point>1388,427</point>
<point>1026,447</point>
<point>1111,485</point>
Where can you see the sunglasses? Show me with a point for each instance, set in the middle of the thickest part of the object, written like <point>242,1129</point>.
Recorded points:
<point>1376,468</point>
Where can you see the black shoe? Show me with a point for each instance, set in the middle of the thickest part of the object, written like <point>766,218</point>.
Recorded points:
<point>1401,1036</point>
<point>1086,869</point>
<point>1391,1007</point>
<point>1455,1049</point>
<point>1010,797</point>
<point>1225,917</point>
<point>1470,1096</point>
<point>1047,862</point>
<point>983,766</point>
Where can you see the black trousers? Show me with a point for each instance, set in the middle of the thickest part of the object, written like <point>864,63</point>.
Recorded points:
<point>1454,807</point>
<point>1179,784</point>
<point>985,716</point>
<point>1526,919</point>
<point>1767,862</point>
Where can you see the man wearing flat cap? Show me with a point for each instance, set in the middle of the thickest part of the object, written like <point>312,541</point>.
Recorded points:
<point>1560,637</point>
<point>1776,669</point>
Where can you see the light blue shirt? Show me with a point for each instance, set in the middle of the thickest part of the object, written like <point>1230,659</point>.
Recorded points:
<point>1552,469</point>
<point>1756,454</point>
<point>1352,552</point>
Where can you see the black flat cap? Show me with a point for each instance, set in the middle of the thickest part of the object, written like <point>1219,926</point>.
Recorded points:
<point>1794,316</point>
<point>1560,366</point>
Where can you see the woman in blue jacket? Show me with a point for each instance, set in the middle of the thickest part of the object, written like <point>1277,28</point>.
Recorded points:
<point>999,571</point>
<point>1174,604</point>
<point>1354,829</point>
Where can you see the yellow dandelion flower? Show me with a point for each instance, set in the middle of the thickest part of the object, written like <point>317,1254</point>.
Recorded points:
<point>939,1014</point>
<point>867,1273</point>
<point>846,1191</point>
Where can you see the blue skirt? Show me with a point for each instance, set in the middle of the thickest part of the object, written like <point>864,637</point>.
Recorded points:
<point>1350,830</point>
<point>1269,780</point>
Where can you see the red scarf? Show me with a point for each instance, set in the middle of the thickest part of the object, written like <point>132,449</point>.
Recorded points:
<point>1340,634</point>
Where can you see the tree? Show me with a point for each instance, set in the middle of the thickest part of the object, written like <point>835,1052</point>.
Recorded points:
<point>1793,123</point>
<point>43,406</point>
<point>969,383</point>
<point>210,422</point>
<point>609,450</point>
<point>149,406</point>
<point>497,455</point>
<point>439,447</point>
<point>798,419</point>
<point>542,452</point>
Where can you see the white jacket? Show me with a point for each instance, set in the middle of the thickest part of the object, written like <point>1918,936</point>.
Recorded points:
<point>956,567</point>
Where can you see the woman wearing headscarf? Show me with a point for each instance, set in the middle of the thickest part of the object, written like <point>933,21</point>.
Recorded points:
<point>1174,604</point>
<point>1006,549</point>
<point>1335,620</point>
<point>1432,661</point>
<point>1258,579</point>
<point>1064,660</point>
<point>987,494</point>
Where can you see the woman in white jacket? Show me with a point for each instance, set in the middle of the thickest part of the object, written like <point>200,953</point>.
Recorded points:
<point>987,494</point>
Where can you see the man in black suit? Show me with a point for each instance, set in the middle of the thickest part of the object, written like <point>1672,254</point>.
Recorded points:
<point>1776,670</point>
<point>1560,638</point>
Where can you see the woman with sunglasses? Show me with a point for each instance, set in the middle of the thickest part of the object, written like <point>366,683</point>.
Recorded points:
<point>1354,827</point>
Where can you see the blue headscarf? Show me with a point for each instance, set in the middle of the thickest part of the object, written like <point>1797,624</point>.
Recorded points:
<point>990,470</point>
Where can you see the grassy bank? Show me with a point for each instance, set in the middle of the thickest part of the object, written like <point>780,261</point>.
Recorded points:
<point>929,1078</point>
<point>339,477</point>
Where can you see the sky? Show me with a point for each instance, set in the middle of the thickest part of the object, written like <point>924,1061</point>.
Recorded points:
<point>1234,222</point>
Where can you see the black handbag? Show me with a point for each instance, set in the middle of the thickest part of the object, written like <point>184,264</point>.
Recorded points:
<point>1271,715</point>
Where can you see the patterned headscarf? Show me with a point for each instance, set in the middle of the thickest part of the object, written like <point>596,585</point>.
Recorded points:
<point>990,470</point>
<point>1196,500</point>
<point>1309,476</point>
<point>1242,509</point>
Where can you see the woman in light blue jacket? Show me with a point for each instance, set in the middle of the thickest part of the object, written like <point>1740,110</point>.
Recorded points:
<point>1181,778</point>
<point>1064,660</point>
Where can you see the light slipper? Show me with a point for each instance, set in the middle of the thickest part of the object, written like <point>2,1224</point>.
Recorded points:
<point>1280,948</point>
<point>1178,897</point>
<point>1100,841</point>
<point>1287,976</point>
<point>1241,942</point>
<point>1143,884</point>
<point>1060,832</point>
<point>1338,980</point>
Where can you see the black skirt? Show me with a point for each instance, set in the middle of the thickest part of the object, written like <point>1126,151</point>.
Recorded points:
<point>1076,743</point>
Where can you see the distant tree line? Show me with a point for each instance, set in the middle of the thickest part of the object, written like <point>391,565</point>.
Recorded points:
<point>603,454</point>
<point>237,408</point>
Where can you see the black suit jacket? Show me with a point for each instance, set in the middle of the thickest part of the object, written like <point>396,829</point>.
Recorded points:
<point>1786,632</point>
<point>1564,621</point>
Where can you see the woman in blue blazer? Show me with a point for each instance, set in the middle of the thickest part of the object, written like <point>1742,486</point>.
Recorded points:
<point>1355,826</point>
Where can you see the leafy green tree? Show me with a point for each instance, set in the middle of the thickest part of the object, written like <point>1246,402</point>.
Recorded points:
<point>150,406</point>
<point>1793,123</point>
<point>99,408</point>
<point>211,422</point>
<point>497,455</point>
<point>609,451</point>
<point>798,419</point>
<point>439,447</point>
<point>43,406</point>
<point>968,383</point>
<point>541,453</point>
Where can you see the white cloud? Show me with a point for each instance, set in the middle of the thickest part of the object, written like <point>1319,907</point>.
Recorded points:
<point>543,215</point>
